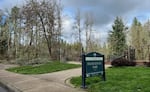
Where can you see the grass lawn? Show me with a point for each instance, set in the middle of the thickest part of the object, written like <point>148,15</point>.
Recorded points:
<point>44,68</point>
<point>121,79</point>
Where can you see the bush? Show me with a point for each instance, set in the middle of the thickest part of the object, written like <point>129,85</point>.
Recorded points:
<point>147,64</point>
<point>122,62</point>
<point>21,61</point>
<point>24,61</point>
<point>131,63</point>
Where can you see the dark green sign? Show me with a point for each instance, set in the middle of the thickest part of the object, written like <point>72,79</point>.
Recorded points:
<point>92,65</point>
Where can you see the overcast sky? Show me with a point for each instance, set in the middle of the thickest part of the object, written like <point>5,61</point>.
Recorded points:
<point>104,12</point>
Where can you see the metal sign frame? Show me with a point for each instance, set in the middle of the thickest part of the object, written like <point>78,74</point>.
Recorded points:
<point>89,62</point>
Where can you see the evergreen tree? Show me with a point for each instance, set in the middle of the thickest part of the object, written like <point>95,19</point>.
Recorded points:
<point>117,37</point>
<point>137,38</point>
<point>146,40</point>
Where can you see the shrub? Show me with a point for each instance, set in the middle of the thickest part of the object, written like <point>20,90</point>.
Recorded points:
<point>131,63</point>
<point>20,61</point>
<point>122,62</point>
<point>147,64</point>
<point>24,61</point>
<point>38,61</point>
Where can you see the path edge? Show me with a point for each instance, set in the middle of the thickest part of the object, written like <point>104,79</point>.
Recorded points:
<point>67,83</point>
<point>9,87</point>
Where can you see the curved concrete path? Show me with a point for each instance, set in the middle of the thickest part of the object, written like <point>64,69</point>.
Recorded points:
<point>25,83</point>
<point>61,76</point>
<point>51,82</point>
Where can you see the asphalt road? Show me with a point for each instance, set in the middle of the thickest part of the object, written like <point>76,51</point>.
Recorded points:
<point>2,89</point>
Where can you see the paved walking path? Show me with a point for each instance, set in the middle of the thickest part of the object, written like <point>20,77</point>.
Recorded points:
<point>51,82</point>
<point>5,66</point>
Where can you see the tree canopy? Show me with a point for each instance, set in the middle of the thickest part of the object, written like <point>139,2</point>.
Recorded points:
<point>117,37</point>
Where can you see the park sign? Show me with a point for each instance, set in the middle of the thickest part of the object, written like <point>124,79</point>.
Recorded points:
<point>92,65</point>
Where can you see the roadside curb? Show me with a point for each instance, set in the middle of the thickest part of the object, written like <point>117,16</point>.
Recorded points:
<point>9,87</point>
<point>67,83</point>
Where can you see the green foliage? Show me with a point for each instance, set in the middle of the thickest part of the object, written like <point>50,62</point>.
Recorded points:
<point>3,46</point>
<point>3,40</point>
<point>146,41</point>
<point>77,81</point>
<point>117,38</point>
<point>43,68</point>
<point>137,37</point>
<point>140,36</point>
<point>124,79</point>
<point>30,30</point>
<point>15,13</point>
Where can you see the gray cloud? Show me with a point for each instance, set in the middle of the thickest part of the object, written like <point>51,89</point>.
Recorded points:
<point>106,10</point>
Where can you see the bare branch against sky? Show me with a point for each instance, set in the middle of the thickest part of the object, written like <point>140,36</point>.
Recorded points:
<point>104,11</point>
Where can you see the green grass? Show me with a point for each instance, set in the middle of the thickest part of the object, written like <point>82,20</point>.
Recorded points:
<point>121,79</point>
<point>44,68</point>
